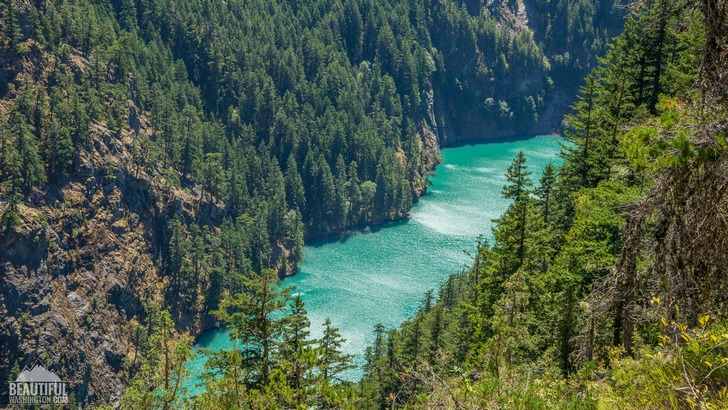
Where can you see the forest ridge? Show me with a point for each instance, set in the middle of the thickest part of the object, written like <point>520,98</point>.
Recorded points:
<point>162,163</point>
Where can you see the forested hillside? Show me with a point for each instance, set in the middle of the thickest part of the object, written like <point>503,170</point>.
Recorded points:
<point>155,155</point>
<point>603,287</point>
<point>605,284</point>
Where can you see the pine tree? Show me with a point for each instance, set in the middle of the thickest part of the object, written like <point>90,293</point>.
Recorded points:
<point>29,164</point>
<point>177,252</point>
<point>11,216</point>
<point>512,341</point>
<point>414,340</point>
<point>342,204</point>
<point>332,362</point>
<point>327,190</point>
<point>12,29</point>
<point>6,149</point>
<point>353,31</point>
<point>160,383</point>
<point>377,367</point>
<point>518,179</point>
<point>58,152</point>
<point>296,332</point>
<point>276,192</point>
<point>616,93</point>
<point>252,317</point>
<point>545,189</point>
<point>354,194</point>
<point>199,255</point>
<point>436,342</point>
<point>296,352</point>
<point>295,194</point>
<point>191,146</point>
<point>513,224</point>
<point>583,133</point>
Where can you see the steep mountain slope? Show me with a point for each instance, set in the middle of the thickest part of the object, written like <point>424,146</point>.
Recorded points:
<point>509,67</point>
<point>81,262</point>
<point>155,153</point>
<point>604,286</point>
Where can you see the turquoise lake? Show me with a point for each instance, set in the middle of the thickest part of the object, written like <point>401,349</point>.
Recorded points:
<point>380,275</point>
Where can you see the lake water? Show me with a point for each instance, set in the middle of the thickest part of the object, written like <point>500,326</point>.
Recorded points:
<point>380,275</point>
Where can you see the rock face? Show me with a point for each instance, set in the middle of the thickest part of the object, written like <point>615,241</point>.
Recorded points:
<point>488,92</point>
<point>79,267</point>
<point>75,273</point>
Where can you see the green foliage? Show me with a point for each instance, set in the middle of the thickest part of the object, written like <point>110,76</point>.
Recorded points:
<point>159,383</point>
<point>686,370</point>
<point>304,119</point>
<point>253,325</point>
<point>274,362</point>
<point>526,325</point>
<point>332,361</point>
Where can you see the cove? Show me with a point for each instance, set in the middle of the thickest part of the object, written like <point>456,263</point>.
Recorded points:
<point>379,275</point>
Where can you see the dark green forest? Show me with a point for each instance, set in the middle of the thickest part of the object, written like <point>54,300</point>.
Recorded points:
<point>285,121</point>
<point>598,290</point>
<point>583,298</point>
<point>302,119</point>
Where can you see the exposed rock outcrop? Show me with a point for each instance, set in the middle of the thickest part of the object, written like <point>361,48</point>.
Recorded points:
<point>75,272</point>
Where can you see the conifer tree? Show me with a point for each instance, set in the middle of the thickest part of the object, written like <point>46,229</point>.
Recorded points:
<point>583,134</point>
<point>295,194</point>
<point>518,178</point>
<point>12,29</point>
<point>6,149</point>
<point>377,368</point>
<point>177,252</point>
<point>436,342</point>
<point>545,190</point>
<point>161,381</point>
<point>58,152</point>
<point>516,218</point>
<point>332,362</point>
<point>342,204</point>
<point>354,194</point>
<point>29,165</point>
<point>252,319</point>
<point>512,339</point>
<point>296,352</point>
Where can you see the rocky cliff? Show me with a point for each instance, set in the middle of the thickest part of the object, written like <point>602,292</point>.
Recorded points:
<point>88,252</point>
<point>77,269</point>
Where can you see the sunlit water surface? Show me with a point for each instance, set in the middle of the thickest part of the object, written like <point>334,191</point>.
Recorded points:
<point>379,275</point>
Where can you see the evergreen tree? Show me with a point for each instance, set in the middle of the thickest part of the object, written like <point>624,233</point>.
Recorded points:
<point>512,339</point>
<point>58,153</point>
<point>160,383</point>
<point>516,218</point>
<point>296,351</point>
<point>295,194</point>
<point>545,190</point>
<point>29,166</point>
<point>12,28</point>
<point>6,149</point>
<point>252,319</point>
<point>332,362</point>
<point>177,252</point>
<point>376,368</point>
<point>518,179</point>
<point>585,136</point>
<point>436,340</point>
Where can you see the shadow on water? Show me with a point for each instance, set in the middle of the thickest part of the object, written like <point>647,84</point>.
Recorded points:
<point>206,339</point>
<point>495,140</point>
<point>363,230</point>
